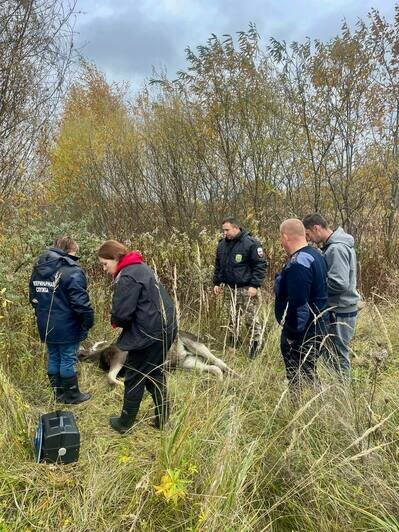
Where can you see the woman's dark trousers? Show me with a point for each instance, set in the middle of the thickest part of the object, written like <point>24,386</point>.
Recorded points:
<point>145,370</point>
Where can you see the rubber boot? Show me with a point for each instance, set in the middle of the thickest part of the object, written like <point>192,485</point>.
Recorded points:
<point>127,418</point>
<point>55,383</point>
<point>72,395</point>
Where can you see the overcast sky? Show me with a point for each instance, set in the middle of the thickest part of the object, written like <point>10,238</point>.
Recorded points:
<point>126,38</point>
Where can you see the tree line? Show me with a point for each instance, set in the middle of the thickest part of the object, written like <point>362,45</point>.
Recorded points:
<point>257,129</point>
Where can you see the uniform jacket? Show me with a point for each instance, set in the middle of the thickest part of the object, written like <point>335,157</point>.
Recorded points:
<point>240,262</point>
<point>340,256</point>
<point>141,306</point>
<point>301,293</point>
<point>58,293</point>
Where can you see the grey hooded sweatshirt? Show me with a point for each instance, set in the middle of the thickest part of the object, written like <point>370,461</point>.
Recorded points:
<point>340,256</point>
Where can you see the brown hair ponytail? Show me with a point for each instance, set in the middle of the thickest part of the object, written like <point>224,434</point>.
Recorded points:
<point>112,250</point>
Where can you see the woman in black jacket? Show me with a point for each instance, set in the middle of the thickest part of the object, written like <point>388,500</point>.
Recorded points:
<point>58,293</point>
<point>145,312</point>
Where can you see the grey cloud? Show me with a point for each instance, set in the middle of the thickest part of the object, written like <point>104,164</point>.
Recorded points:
<point>329,25</point>
<point>293,20</point>
<point>129,44</point>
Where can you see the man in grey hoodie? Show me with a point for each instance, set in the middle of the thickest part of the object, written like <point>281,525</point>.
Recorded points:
<point>339,252</point>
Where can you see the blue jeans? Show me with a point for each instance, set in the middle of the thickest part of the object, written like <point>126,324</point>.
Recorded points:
<point>341,330</point>
<point>62,359</point>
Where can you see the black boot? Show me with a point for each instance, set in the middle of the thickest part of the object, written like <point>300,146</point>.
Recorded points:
<point>254,350</point>
<point>127,418</point>
<point>55,383</point>
<point>72,395</point>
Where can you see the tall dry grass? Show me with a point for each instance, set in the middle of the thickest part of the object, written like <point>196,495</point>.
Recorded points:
<point>236,455</point>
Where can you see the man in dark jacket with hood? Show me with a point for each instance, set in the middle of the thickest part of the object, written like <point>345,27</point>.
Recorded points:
<point>339,252</point>
<point>58,293</point>
<point>241,266</point>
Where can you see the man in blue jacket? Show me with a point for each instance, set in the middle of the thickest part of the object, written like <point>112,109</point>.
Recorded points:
<point>343,297</point>
<point>58,293</point>
<point>300,305</point>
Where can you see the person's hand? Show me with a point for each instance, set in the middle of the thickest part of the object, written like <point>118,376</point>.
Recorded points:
<point>216,290</point>
<point>252,291</point>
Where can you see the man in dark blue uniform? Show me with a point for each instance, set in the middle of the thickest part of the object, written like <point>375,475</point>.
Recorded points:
<point>300,305</point>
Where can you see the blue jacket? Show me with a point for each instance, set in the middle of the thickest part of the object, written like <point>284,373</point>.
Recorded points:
<point>301,294</point>
<point>58,293</point>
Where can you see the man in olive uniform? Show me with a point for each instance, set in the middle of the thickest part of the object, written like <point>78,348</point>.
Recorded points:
<point>241,266</point>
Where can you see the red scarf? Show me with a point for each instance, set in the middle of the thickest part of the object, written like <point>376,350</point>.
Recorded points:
<point>133,257</point>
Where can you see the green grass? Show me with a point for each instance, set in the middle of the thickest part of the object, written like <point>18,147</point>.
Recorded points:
<point>237,456</point>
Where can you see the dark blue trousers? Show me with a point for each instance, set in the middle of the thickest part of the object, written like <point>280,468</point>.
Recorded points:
<point>300,356</point>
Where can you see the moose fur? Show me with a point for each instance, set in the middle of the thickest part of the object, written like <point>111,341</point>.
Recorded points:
<point>186,353</point>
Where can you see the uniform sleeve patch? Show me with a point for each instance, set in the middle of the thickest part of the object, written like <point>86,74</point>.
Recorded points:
<point>260,252</point>
<point>304,259</point>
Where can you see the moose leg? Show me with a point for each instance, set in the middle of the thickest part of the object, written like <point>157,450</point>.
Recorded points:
<point>200,349</point>
<point>113,373</point>
<point>117,361</point>
<point>193,362</point>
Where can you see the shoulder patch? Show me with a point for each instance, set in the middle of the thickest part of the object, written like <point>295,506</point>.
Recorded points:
<point>302,258</point>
